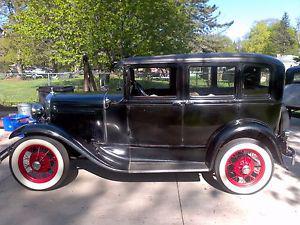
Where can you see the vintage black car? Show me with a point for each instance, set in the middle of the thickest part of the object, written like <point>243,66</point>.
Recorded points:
<point>291,94</point>
<point>217,113</point>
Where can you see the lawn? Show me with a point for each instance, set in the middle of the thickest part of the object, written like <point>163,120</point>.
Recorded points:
<point>14,91</point>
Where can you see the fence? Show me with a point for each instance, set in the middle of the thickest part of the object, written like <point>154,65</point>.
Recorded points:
<point>33,76</point>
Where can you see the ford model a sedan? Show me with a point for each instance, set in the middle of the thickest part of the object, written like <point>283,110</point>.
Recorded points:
<point>217,113</point>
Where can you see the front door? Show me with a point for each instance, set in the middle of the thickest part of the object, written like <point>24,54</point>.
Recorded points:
<point>154,115</point>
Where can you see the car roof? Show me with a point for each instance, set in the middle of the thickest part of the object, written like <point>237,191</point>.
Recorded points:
<point>294,69</point>
<point>200,57</point>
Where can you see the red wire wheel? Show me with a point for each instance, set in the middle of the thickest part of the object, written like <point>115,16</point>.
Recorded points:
<point>245,167</point>
<point>38,163</point>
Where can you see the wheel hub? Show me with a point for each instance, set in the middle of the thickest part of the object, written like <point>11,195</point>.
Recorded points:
<point>245,167</point>
<point>36,165</point>
<point>246,170</point>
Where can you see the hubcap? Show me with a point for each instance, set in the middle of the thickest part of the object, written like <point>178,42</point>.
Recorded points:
<point>245,167</point>
<point>246,170</point>
<point>38,163</point>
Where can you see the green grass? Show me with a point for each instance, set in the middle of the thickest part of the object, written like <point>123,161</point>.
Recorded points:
<point>15,91</point>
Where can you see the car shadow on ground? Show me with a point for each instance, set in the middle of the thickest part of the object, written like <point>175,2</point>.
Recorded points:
<point>142,177</point>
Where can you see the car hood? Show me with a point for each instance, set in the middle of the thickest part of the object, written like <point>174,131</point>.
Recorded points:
<point>66,103</point>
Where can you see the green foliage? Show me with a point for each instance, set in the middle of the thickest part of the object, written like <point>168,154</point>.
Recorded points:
<point>204,18</point>
<point>258,40</point>
<point>56,33</point>
<point>272,38</point>
<point>213,43</point>
<point>59,32</point>
<point>283,37</point>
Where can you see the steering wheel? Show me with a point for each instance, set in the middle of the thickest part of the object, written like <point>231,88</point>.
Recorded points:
<point>140,89</point>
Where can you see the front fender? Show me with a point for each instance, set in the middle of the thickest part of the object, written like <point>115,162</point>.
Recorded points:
<point>40,129</point>
<point>243,129</point>
<point>61,136</point>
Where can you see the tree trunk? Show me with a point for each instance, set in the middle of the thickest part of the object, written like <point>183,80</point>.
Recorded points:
<point>89,80</point>
<point>85,73</point>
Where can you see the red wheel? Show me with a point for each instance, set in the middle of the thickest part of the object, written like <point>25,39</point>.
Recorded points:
<point>39,163</point>
<point>243,166</point>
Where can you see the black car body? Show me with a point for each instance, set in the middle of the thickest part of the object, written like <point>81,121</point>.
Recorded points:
<point>200,108</point>
<point>292,89</point>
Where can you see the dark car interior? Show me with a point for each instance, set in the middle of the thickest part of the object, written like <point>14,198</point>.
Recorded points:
<point>153,81</point>
<point>211,81</point>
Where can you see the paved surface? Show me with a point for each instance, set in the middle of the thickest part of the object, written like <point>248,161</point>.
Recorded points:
<point>104,198</point>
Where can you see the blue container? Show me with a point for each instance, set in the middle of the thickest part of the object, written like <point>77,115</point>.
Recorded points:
<point>11,123</point>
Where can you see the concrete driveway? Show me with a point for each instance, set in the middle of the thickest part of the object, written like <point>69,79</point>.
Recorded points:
<point>105,198</point>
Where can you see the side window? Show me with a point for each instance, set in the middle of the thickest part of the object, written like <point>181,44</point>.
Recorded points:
<point>154,81</point>
<point>200,77</point>
<point>211,81</point>
<point>256,80</point>
<point>226,76</point>
<point>297,77</point>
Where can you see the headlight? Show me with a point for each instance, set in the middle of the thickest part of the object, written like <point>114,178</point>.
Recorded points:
<point>37,111</point>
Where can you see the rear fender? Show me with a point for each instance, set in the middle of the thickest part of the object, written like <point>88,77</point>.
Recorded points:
<point>241,129</point>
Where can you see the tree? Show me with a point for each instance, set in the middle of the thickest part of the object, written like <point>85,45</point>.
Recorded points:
<point>298,31</point>
<point>258,39</point>
<point>214,43</point>
<point>272,38</point>
<point>283,38</point>
<point>57,33</point>
<point>204,18</point>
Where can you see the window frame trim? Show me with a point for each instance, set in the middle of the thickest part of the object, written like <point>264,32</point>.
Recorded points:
<point>267,95</point>
<point>214,97</point>
<point>131,77</point>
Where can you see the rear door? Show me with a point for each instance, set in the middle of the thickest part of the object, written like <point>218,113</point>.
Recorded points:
<point>210,101</point>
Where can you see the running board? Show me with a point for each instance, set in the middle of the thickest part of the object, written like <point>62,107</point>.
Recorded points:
<point>167,167</point>
<point>151,160</point>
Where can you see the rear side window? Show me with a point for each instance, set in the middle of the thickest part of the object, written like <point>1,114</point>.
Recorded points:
<point>256,80</point>
<point>211,81</point>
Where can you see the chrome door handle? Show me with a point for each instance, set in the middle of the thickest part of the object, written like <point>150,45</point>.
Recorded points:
<point>177,103</point>
<point>189,102</point>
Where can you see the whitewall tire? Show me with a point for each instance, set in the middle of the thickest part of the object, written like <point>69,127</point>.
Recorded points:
<point>39,163</point>
<point>244,166</point>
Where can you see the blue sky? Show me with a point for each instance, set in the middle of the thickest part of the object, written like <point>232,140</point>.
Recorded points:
<point>246,12</point>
